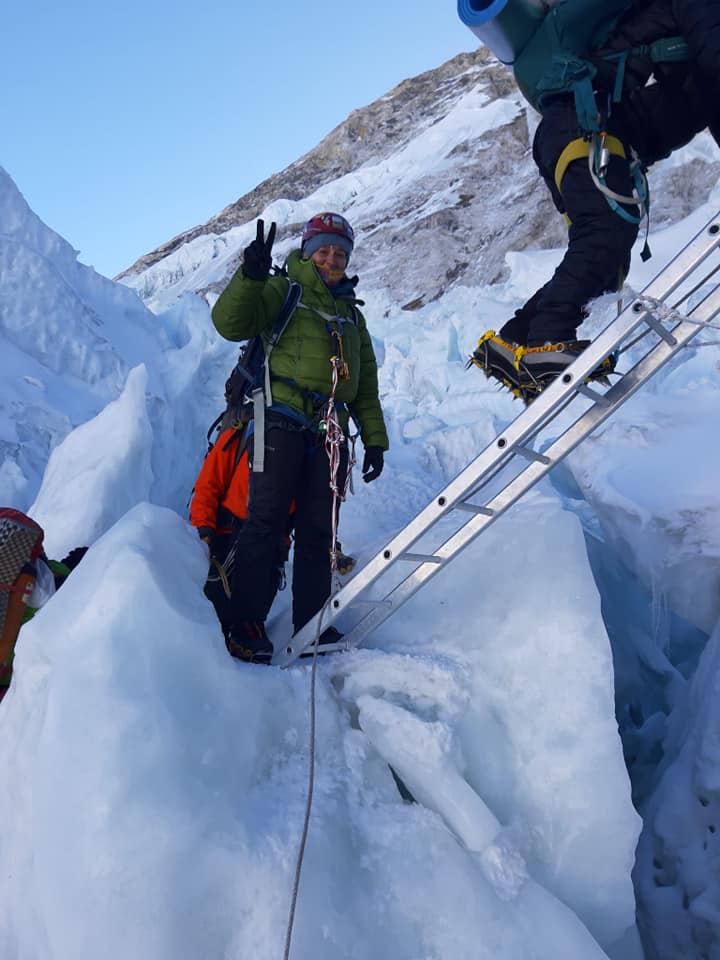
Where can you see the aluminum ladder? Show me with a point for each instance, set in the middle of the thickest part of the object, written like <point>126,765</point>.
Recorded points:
<point>508,467</point>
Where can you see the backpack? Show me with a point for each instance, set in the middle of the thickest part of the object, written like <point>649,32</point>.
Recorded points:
<point>550,45</point>
<point>247,387</point>
<point>20,546</point>
<point>556,59</point>
<point>562,53</point>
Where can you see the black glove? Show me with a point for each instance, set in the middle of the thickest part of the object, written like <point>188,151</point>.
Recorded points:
<point>206,533</point>
<point>257,257</point>
<point>373,463</point>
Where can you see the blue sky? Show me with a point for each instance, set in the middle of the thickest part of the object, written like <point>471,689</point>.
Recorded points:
<point>125,124</point>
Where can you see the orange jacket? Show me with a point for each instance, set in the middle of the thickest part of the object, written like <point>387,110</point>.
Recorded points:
<point>221,483</point>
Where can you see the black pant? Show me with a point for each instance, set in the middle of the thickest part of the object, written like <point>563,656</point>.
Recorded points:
<point>220,547</point>
<point>599,240</point>
<point>296,467</point>
<point>214,589</point>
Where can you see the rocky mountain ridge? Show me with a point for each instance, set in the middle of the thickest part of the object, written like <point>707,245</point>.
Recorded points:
<point>423,231</point>
<point>368,132</point>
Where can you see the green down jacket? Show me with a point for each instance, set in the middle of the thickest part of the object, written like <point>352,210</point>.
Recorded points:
<point>247,307</point>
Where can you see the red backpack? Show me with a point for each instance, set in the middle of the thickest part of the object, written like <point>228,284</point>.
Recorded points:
<point>20,546</point>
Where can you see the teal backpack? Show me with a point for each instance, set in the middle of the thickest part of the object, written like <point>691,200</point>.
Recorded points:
<point>557,58</point>
<point>550,45</point>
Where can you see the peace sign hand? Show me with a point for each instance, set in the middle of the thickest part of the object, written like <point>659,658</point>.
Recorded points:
<point>257,256</point>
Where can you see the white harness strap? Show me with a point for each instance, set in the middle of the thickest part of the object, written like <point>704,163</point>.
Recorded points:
<point>258,398</point>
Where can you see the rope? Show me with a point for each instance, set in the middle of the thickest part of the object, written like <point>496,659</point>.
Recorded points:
<point>334,438</point>
<point>222,575</point>
<point>310,791</point>
<point>334,441</point>
<point>224,568</point>
<point>670,314</point>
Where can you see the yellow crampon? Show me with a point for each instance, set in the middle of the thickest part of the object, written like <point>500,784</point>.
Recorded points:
<point>473,359</point>
<point>598,375</point>
<point>522,393</point>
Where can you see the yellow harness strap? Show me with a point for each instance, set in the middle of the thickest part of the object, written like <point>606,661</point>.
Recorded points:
<point>578,150</point>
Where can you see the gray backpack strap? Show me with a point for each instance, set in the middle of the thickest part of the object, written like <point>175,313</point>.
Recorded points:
<point>262,395</point>
<point>258,464</point>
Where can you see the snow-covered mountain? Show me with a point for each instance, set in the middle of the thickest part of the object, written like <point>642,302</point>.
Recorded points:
<point>438,181</point>
<point>155,789</point>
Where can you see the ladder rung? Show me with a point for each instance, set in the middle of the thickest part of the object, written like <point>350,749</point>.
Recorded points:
<point>659,329</point>
<point>531,454</point>
<point>421,557</point>
<point>593,395</point>
<point>472,508</point>
<point>359,602</point>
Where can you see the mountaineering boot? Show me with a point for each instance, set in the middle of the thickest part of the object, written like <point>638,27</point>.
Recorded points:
<point>343,563</point>
<point>499,359</point>
<point>248,641</point>
<point>328,636</point>
<point>528,370</point>
<point>544,364</point>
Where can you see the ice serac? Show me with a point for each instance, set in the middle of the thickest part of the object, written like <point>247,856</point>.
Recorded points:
<point>108,478</point>
<point>68,341</point>
<point>501,717</point>
<point>64,324</point>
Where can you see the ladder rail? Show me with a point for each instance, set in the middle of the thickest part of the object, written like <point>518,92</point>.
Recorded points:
<point>513,442</point>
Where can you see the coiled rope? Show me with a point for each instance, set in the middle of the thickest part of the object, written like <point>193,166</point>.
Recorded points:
<point>223,572</point>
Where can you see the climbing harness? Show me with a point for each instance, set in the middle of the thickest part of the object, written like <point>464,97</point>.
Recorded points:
<point>579,149</point>
<point>601,146</point>
<point>599,152</point>
<point>598,148</point>
<point>313,401</point>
